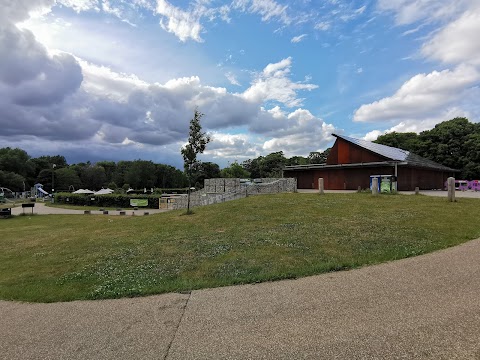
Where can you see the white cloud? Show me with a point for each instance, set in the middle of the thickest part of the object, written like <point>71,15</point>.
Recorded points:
<point>185,25</point>
<point>422,95</point>
<point>268,9</point>
<point>299,38</point>
<point>298,133</point>
<point>419,125</point>
<point>232,78</point>
<point>81,5</point>
<point>16,11</point>
<point>410,11</point>
<point>232,146</point>
<point>273,84</point>
<point>324,26</point>
<point>458,42</point>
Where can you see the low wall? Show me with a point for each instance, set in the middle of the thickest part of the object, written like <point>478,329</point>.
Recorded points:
<point>222,189</point>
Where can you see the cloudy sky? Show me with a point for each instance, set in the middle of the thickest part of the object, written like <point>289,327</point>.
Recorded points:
<point>120,79</point>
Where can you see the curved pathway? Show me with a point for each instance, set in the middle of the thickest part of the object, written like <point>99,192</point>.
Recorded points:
<point>427,307</point>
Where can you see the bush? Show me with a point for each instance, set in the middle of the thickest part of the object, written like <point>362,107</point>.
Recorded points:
<point>110,200</point>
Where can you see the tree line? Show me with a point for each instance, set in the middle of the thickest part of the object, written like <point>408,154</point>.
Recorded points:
<point>454,143</point>
<point>19,171</point>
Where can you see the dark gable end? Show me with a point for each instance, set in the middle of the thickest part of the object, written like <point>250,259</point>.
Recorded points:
<point>347,152</point>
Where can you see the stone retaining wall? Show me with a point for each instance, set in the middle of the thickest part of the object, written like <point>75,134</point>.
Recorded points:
<point>221,190</point>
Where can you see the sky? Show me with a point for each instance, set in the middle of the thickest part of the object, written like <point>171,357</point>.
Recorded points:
<point>120,80</point>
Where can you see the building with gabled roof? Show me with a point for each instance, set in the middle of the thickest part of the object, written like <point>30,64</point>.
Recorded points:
<point>351,162</point>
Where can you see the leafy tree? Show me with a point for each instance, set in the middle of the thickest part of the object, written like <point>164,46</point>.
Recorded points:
<point>202,171</point>
<point>15,161</point>
<point>141,174</point>
<point>11,180</point>
<point>235,170</point>
<point>110,167</point>
<point>93,177</point>
<point>297,160</point>
<point>45,178</point>
<point>169,177</point>
<point>266,166</point>
<point>407,141</point>
<point>65,178</point>
<point>316,157</point>
<point>119,175</point>
<point>197,142</point>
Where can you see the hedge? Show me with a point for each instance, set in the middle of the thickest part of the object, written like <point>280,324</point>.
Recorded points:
<point>109,200</point>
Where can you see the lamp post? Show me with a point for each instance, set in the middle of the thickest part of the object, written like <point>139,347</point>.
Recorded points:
<point>53,179</point>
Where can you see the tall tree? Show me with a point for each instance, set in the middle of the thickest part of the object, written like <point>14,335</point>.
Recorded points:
<point>235,170</point>
<point>197,142</point>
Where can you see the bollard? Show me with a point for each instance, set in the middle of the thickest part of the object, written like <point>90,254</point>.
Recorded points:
<point>359,188</point>
<point>146,213</point>
<point>105,212</point>
<point>375,186</point>
<point>87,212</point>
<point>320,186</point>
<point>417,190</point>
<point>451,189</point>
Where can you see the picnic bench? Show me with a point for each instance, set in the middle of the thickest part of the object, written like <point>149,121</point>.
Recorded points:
<point>5,213</point>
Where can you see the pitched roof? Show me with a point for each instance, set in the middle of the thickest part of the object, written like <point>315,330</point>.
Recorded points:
<point>396,154</point>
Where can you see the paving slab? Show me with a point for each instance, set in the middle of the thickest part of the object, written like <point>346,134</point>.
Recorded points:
<point>140,328</point>
<point>426,307</point>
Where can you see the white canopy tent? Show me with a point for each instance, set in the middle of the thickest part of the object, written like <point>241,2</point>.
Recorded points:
<point>104,191</point>
<point>83,191</point>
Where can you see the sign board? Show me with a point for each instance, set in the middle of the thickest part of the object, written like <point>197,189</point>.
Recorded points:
<point>138,202</point>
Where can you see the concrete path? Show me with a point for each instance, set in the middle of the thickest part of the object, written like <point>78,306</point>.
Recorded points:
<point>41,209</point>
<point>426,307</point>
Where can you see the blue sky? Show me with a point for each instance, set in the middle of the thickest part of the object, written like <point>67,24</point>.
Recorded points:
<point>118,80</point>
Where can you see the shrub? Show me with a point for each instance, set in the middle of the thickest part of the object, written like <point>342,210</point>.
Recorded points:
<point>110,200</point>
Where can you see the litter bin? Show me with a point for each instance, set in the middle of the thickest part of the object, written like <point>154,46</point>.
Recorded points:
<point>388,184</point>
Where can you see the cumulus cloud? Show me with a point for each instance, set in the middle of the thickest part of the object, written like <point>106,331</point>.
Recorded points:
<point>274,84</point>
<point>419,125</point>
<point>53,97</point>
<point>458,41</point>
<point>422,95</point>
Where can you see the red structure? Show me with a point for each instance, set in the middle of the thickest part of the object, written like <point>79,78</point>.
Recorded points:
<point>352,161</point>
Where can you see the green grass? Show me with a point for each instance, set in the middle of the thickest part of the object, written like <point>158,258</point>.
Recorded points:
<point>260,238</point>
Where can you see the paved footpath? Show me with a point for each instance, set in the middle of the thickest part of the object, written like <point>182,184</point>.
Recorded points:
<point>427,307</point>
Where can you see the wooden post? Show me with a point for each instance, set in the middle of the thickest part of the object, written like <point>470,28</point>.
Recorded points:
<point>451,189</point>
<point>417,190</point>
<point>359,188</point>
<point>321,186</point>
<point>375,186</point>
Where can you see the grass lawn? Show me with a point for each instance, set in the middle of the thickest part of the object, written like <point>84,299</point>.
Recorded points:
<point>260,238</point>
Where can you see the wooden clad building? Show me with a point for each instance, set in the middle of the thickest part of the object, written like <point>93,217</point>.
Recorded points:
<point>352,161</point>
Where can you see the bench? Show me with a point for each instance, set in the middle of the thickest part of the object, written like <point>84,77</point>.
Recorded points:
<point>28,205</point>
<point>5,213</point>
